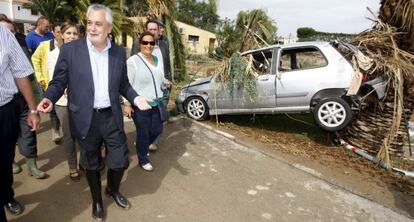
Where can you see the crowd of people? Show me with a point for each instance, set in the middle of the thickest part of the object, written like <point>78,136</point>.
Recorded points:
<point>86,84</point>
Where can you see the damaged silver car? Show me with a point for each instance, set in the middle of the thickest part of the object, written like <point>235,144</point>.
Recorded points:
<point>296,78</point>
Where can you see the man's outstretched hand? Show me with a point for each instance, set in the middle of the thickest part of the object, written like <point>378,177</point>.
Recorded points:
<point>45,106</point>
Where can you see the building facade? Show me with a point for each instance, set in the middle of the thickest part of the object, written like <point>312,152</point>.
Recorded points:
<point>14,10</point>
<point>197,41</point>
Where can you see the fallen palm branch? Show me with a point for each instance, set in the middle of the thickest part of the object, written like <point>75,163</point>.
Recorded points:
<point>380,128</point>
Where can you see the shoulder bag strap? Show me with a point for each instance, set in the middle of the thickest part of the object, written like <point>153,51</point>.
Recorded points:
<point>152,75</point>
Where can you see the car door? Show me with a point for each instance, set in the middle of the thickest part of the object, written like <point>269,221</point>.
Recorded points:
<point>298,72</point>
<point>265,96</point>
<point>222,99</point>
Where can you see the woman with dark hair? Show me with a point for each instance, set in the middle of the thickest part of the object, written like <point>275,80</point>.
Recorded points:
<point>147,78</point>
<point>69,33</point>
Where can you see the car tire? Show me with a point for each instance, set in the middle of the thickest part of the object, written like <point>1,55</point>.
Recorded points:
<point>332,114</point>
<point>196,108</point>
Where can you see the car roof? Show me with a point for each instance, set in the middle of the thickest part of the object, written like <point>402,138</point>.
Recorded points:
<point>291,45</point>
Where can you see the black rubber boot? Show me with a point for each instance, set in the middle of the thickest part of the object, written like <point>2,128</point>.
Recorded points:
<point>114,180</point>
<point>94,181</point>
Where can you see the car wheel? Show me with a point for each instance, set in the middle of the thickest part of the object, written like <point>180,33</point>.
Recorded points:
<point>332,114</point>
<point>197,108</point>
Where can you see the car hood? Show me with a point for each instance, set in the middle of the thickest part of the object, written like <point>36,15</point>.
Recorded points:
<point>200,81</point>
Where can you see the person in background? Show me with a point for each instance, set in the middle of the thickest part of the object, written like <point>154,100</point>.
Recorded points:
<point>69,33</point>
<point>31,28</point>
<point>42,75</point>
<point>14,69</point>
<point>21,38</point>
<point>94,73</point>
<point>147,78</point>
<point>163,37</point>
<point>27,141</point>
<point>40,34</point>
<point>81,29</point>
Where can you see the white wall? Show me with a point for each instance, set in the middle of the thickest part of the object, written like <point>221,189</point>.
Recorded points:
<point>21,14</point>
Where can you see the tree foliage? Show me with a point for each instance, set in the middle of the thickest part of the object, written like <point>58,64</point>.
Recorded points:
<point>251,29</point>
<point>199,14</point>
<point>121,23</point>
<point>305,32</point>
<point>53,10</point>
<point>136,7</point>
<point>165,11</point>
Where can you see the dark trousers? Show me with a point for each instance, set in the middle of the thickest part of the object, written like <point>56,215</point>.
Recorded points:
<point>148,126</point>
<point>27,141</point>
<point>68,140</point>
<point>54,120</point>
<point>8,137</point>
<point>103,129</point>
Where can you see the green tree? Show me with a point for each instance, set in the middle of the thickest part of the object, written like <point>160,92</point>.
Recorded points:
<point>199,14</point>
<point>226,38</point>
<point>305,32</point>
<point>53,10</point>
<point>121,23</point>
<point>137,7</point>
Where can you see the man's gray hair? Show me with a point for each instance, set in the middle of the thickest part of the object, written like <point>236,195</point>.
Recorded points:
<point>97,7</point>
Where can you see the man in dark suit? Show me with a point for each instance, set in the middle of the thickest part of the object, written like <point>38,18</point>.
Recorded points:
<point>94,72</point>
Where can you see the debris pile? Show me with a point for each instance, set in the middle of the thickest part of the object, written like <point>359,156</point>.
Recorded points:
<point>380,128</point>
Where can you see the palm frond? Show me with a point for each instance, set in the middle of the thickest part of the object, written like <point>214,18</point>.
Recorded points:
<point>164,10</point>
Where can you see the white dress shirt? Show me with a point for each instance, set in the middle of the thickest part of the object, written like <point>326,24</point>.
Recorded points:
<point>100,65</point>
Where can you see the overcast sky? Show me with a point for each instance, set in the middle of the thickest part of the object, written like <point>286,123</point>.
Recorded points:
<point>347,16</point>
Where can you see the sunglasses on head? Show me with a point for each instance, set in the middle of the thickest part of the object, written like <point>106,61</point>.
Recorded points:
<point>148,42</point>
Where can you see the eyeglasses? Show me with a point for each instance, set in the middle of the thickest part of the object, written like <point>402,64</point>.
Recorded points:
<point>152,43</point>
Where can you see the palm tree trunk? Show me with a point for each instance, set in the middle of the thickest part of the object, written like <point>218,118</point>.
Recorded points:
<point>381,128</point>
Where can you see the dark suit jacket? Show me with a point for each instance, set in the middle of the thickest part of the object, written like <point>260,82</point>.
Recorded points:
<point>165,51</point>
<point>73,71</point>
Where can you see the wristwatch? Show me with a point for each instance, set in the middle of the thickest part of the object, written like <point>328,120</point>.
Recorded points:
<point>34,112</point>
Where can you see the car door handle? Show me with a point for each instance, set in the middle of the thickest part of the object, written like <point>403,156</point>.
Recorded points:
<point>263,79</point>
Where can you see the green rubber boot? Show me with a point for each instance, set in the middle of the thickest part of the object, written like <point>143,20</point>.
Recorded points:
<point>33,170</point>
<point>16,168</point>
